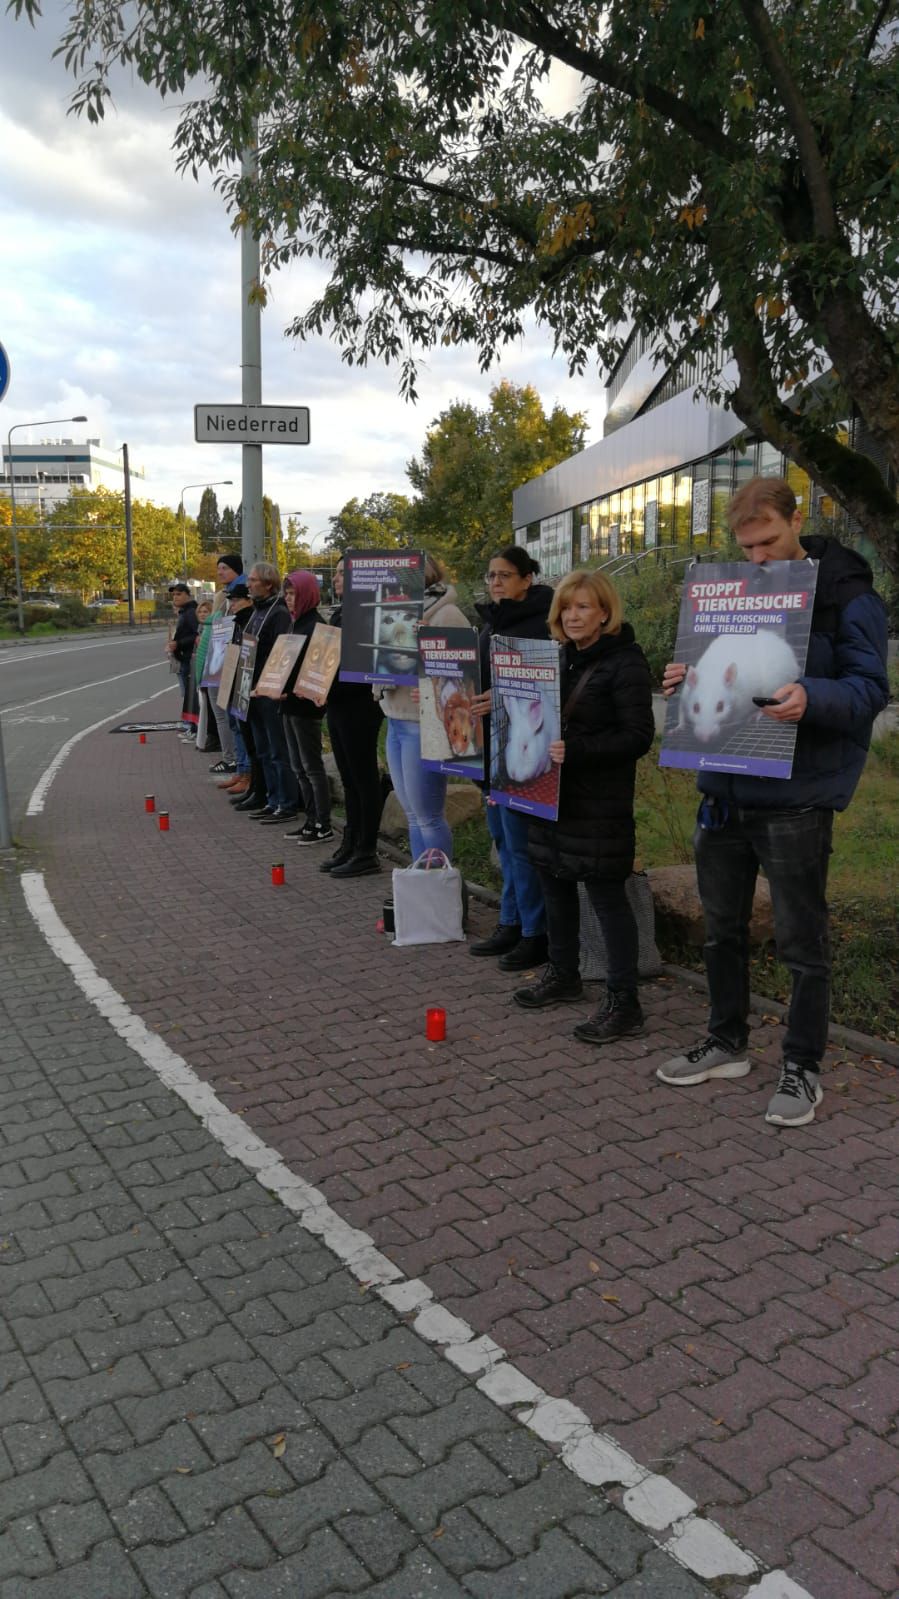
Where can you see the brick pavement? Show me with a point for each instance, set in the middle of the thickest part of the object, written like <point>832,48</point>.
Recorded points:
<point>198,1402</point>
<point>718,1294</point>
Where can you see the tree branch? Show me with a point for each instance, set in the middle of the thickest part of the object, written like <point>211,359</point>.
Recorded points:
<point>813,165</point>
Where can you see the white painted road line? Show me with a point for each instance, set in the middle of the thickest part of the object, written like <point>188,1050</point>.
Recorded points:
<point>116,678</point>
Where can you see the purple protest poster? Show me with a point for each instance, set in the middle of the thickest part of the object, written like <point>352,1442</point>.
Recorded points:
<point>383,599</point>
<point>743,633</point>
<point>449,678</point>
<point>525,719</point>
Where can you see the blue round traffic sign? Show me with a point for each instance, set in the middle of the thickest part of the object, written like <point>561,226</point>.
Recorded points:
<point>4,371</point>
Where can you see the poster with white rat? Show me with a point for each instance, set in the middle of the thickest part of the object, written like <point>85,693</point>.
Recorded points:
<point>743,634</point>
<point>383,600</point>
<point>449,678</point>
<point>525,719</point>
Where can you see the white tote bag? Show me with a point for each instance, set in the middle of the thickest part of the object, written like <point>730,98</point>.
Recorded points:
<point>427,901</point>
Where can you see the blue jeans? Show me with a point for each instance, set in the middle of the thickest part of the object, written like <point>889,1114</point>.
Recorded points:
<point>240,748</point>
<point>280,783</point>
<point>793,848</point>
<point>421,792</point>
<point>521,903</point>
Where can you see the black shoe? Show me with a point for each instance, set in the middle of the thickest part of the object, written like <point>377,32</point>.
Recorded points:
<point>248,802</point>
<point>357,866</point>
<point>553,988</point>
<point>258,811</point>
<point>504,937</point>
<point>279,816</point>
<point>619,1016</point>
<point>223,766</point>
<point>528,952</point>
<point>344,852</point>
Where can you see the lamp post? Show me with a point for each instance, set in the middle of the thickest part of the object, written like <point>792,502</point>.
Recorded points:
<point>220,483</point>
<point>53,421</point>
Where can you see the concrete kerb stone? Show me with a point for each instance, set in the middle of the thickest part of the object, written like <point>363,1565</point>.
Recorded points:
<point>695,1543</point>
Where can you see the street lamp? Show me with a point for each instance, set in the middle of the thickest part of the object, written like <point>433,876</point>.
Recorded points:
<point>53,421</point>
<point>220,483</point>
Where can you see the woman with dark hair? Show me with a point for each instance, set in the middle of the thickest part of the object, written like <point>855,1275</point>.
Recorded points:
<point>354,722</point>
<point>607,724</point>
<point>517,607</point>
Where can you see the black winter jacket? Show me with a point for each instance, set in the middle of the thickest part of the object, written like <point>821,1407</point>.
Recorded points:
<point>269,619</point>
<point>187,627</point>
<point>608,727</point>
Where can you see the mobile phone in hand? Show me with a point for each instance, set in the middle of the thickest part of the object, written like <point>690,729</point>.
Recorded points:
<point>759,699</point>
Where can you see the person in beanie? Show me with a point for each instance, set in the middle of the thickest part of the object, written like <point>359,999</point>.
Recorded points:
<point>229,569</point>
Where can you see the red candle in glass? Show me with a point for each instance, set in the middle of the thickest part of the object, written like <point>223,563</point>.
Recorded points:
<point>277,875</point>
<point>149,802</point>
<point>435,1023</point>
<point>163,821</point>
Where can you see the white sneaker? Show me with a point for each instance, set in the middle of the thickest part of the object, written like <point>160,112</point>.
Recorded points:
<point>798,1095</point>
<point>708,1059</point>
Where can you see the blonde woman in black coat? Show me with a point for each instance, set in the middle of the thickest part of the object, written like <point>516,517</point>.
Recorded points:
<point>607,724</point>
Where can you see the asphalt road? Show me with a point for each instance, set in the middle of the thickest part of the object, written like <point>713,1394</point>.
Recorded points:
<point>50,691</point>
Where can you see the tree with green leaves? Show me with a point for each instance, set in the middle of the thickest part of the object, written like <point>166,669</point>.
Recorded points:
<point>724,176</point>
<point>209,523</point>
<point>229,531</point>
<point>379,522</point>
<point>472,460</point>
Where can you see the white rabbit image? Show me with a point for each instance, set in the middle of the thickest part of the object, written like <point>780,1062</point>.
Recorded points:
<point>533,726</point>
<point>396,639</point>
<point>719,689</point>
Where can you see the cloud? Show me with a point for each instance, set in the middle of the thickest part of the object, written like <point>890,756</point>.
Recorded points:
<point>121,299</point>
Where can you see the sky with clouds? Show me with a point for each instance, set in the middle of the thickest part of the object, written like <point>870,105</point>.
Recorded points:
<point>119,299</point>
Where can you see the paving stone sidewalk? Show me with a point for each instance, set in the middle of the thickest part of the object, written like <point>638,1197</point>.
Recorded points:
<point>718,1294</point>
<point>197,1402</point>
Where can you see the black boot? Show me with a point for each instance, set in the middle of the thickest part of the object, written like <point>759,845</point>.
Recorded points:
<point>528,952</point>
<point>553,988</point>
<point>618,1016</point>
<point>504,937</point>
<point>344,852</point>
<point>357,866</point>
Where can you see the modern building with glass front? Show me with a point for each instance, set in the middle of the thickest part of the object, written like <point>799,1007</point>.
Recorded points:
<point>661,475</point>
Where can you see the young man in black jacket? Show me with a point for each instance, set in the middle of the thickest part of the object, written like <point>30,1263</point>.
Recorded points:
<point>183,642</point>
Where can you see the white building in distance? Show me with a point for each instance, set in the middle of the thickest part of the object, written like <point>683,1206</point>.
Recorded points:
<point>46,473</point>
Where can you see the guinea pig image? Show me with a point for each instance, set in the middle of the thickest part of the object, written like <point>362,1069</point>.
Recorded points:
<point>532,728</point>
<point>397,641</point>
<point>719,689</point>
<point>464,732</point>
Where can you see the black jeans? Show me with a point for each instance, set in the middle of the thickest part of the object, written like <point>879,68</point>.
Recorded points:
<point>615,917</point>
<point>793,848</point>
<point>353,725</point>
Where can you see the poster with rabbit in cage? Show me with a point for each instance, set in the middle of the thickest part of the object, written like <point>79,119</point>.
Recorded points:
<point>383,600</point>
<point>525,719</point>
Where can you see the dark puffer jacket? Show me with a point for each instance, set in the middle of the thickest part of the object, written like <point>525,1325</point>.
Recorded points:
<point>609,726</point>
<point>845,679</point>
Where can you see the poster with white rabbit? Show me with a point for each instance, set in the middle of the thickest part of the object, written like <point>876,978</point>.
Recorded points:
<point>743,634</point>
<point>449,677</point>
<point>383,600</point>
<point>525,719</point>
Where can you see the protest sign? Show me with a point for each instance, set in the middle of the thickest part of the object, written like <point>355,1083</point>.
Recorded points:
<point>383,599</point>
<point>285,652</point>
<point>449,676</point>
<point>222,634</point>
<point>243,680</point>
<point>226,681</point>
<point>743,632</point>
<point>525,720</point>
<point>319,665</point>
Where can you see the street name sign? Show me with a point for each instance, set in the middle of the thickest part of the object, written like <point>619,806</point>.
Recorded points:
<point>251,424</point>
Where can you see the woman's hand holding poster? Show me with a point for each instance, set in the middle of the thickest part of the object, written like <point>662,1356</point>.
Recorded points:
<point>383,600</point>
<point>743,635</point>
<point>449,676</point>
<point>525,720</point>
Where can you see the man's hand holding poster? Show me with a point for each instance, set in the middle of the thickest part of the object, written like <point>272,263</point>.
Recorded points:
<point>743,635</point>
<point>525,720</point>
<point>449,677</point>
<point>383,600</point>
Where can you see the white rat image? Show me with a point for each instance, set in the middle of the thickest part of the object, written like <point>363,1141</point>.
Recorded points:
<point>532,728</point>
<point>736,666</point>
